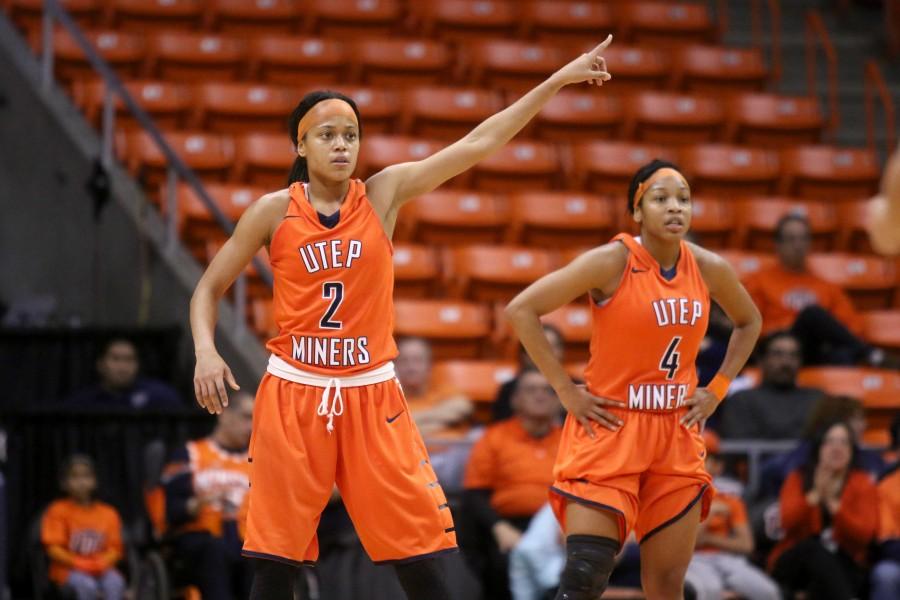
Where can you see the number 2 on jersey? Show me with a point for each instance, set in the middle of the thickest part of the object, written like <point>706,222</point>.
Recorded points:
<point>334,291</point>
<point>670,360</point>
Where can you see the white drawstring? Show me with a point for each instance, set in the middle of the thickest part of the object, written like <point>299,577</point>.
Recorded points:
<point>337,402</point>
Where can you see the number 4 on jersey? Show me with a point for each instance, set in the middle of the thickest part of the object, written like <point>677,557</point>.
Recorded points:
<point>671,359</point>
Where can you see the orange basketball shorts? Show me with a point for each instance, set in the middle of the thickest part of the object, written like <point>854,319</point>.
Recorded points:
<point>376,457</point>
<point>648,474</point>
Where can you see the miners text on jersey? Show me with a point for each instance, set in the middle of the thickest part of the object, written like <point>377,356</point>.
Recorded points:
<point>330,351</point>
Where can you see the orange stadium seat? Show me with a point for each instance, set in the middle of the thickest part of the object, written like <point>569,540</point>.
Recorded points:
<point>513,65</point>
<point>730,171</point>
<point>829,172</point>
<point>351,18</point>
<point>854,236</point>
<point>416,270</point>
<point>400,62</point>
<point>518,165</point>
<point>574,323</point>
<point>264,17</point>
<point>869,280</point>
<point>607,167</point>
<point>665,24</point>
<point>713,221</point>
<point>882,328</point>
<point>878,389</point>
<point>196,223</point>
<point>238,107</point>
<point>454,329</point>
<point>703,68</point>
<point>169,104</point>
<point>774,121</point>
<point>455,217</point>
<point>447,113</point>
<point>189,57</point>
<point>495,273</point>
<point>155,15</point>
<point>637,67</point>
<point>672,118</point>
<point>209,155</point>
<point>264,159</point>
<point>380,151</point>
<point>567,22</point>
<point>561,219</point>
<point>758,218</point>
<point>479,380</point>
<point>293,60</point>
<point>467,19</point>
<point>27,14</point>
<point>125,53</point>
<point>380,108</point>
<point>747,263</point>
<point>579,116</point>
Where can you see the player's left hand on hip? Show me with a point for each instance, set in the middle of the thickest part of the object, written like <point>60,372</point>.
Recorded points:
<point>700,406</point>
<point>590,67</point>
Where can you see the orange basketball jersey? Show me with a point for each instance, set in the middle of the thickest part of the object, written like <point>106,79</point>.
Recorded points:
<point>220,475</point>
<point>333,295</point>
<point>646,336</point>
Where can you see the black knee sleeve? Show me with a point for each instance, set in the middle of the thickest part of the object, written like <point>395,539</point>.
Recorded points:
<point>589,561</point>
<point>423,580</point>
<point>273,580</point>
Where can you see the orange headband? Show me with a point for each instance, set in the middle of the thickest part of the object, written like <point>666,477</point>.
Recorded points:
<point>657,175</point>
<point>333,107</point>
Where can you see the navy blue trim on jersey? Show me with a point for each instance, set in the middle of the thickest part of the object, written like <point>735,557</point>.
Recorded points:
<point>687,509</point>
<point>403,561</point>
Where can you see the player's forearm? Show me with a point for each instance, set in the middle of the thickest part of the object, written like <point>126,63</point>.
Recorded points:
<point>204,313</point>
<point>527,325</point>
<point>740,347</point>
<point>498,129</point>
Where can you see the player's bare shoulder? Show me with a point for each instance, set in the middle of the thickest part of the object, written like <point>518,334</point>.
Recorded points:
<point>715,269</point>
<point>604,266</point>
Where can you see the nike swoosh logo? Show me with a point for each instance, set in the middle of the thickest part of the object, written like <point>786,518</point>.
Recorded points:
<point>634,270</point>
<point>394,418</point>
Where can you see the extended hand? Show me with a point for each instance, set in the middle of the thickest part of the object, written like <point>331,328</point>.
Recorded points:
<point>701,405</point>
<point>589,67</point>
<point>586,407</point>
<point>210,376</point>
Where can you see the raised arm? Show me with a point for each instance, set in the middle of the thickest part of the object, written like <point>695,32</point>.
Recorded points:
<point>252,232</point>
<point>397,184</point>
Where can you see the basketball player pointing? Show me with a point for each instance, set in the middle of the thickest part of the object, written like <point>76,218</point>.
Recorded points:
<point>329,409</point>
<point>632,457</point>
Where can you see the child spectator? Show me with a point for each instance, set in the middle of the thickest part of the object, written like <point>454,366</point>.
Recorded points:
<point>83,536</point>
<point>829,513</point>
<point>724,541</point>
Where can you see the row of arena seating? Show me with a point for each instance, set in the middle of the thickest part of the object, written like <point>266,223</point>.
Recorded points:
<point>567,220</point>
<point>446,113</point>
<point>638,21</point>
<point>494,63</point>
<point>602,167</point>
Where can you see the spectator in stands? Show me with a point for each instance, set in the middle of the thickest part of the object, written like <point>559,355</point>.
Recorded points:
<point>83,536</point>
<point>829,513</point>
<point>120,385</point>
<point>892,454</point>
<point>436,410</point>
<point>206,485</point>
<point>817,312</point>
<point>506,481</point>
<point>724,543</point>
<point>777,408</point>
<point>885,578</point>
<point>502,407</point>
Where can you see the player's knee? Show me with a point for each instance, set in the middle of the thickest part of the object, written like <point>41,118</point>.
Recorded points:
<point>589,561</point>
<point>666,582</point>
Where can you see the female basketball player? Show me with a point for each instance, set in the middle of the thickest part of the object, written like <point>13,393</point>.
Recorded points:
<point>632,457</point>
<point>329,410</point>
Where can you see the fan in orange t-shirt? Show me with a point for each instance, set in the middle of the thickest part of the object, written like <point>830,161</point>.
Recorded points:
<point>507,478</point>
<point>817,312</point>
<point>83,536</point>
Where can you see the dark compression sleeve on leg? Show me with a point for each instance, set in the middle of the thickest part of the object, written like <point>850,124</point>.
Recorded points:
<point>423,580</point>
<point>589,561</point>
<point>273,580</point>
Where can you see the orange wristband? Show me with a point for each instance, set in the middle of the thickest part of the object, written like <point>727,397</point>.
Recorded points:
<point>719,385</point>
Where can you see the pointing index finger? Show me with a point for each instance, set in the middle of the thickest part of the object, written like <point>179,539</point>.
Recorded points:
<point>602,45</point>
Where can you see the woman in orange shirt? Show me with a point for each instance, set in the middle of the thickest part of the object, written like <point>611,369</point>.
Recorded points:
<point>631,455</point>
<point>829,513</point>
<point>329,409</point>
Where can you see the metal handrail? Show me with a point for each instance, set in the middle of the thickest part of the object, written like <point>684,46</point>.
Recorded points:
<point>177,170</point>
<point>775,58</point>
<point>875,86</point>
<point>815,32</point>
